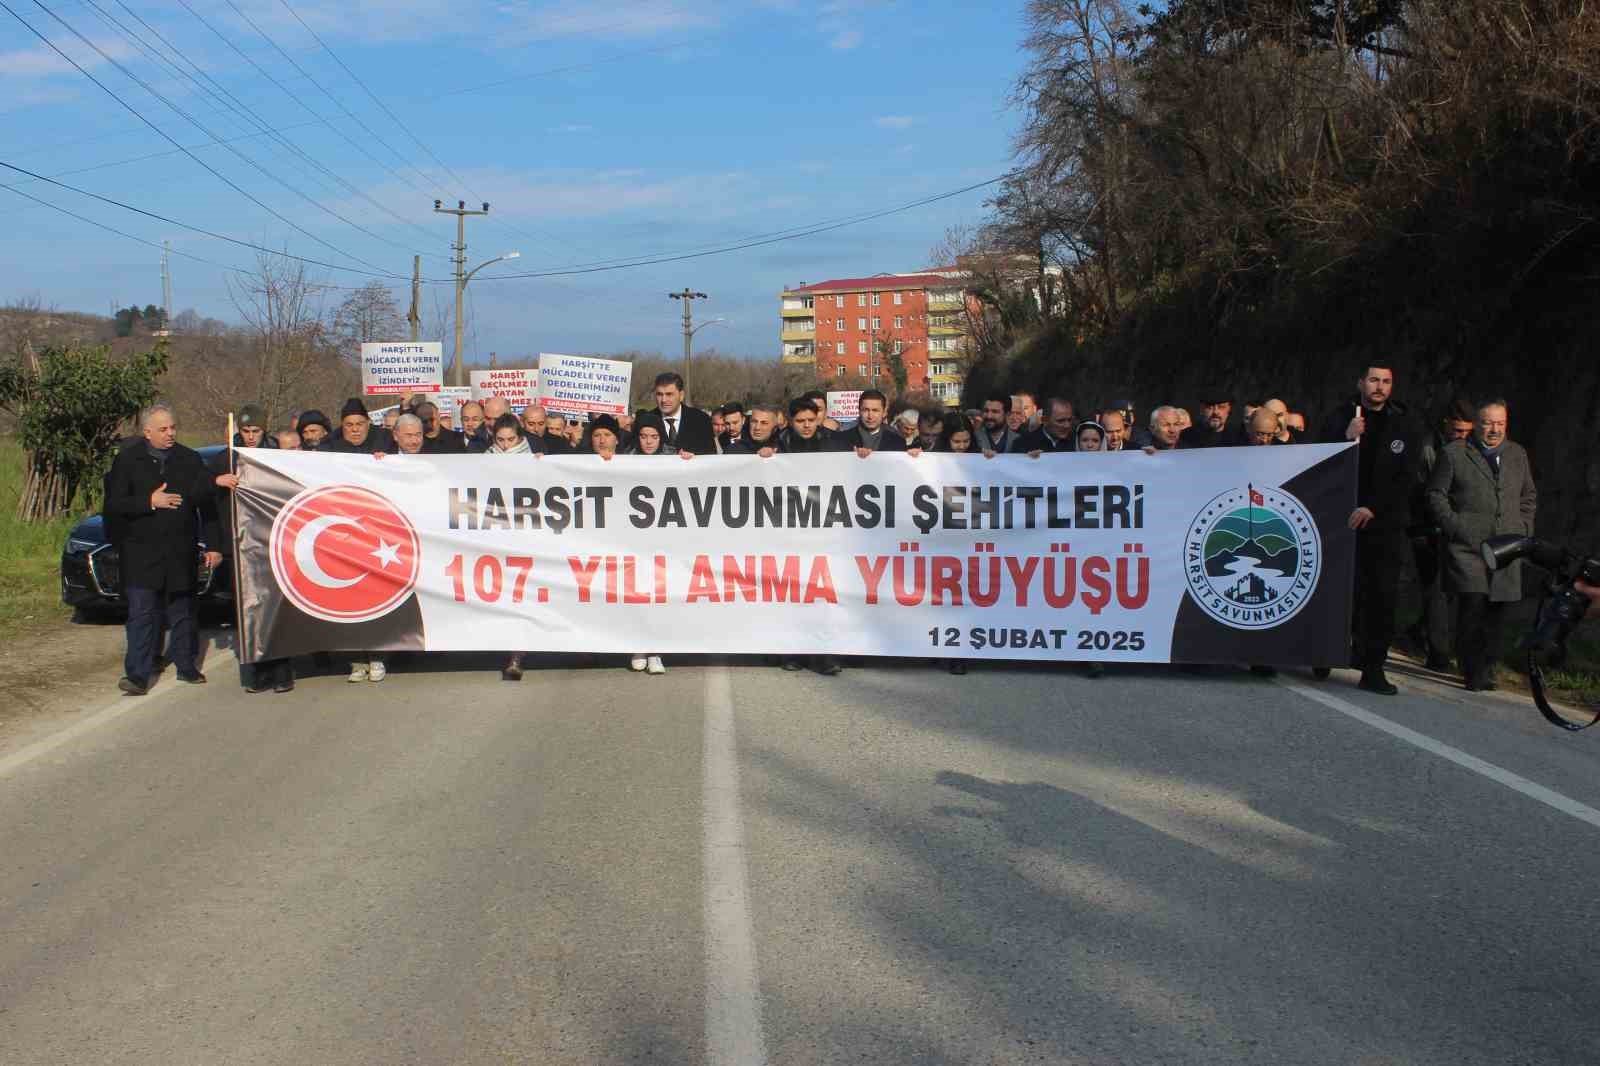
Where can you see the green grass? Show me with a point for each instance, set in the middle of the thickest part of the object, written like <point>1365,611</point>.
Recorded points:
<point>30,556</point>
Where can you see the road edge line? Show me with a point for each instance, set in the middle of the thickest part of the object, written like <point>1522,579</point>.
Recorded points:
<point>1516,782</point>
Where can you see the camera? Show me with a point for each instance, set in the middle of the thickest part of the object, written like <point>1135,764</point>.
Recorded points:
<point>1561,609</point>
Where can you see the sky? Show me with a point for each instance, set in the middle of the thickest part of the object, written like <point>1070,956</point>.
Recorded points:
<point>598,131</point>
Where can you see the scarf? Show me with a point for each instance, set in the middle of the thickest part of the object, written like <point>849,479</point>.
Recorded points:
<point>519,448</point>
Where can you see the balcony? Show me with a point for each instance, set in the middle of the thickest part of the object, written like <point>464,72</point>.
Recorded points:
<point>797,312</point>
<point>946,301</point>
<point>798,331</point>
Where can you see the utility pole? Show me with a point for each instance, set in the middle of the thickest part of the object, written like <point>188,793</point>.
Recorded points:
<point>688,296</point>
<point>457,370</point>
<point>414,316</point>
<point>166,285</point>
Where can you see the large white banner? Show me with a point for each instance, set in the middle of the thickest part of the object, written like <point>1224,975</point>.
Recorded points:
<point>402,367</point>
<point>1223,555</point>
<point>578,384</point>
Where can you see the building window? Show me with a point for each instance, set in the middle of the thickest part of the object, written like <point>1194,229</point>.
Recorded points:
<point>838,348</point>
<point>877,323</point>
<point>861,324</point>
<point>899,346</point>
<point>899,298</point>
<point>899,321</point>
<point>877,371</point>
<point>875,298</point>
<point>861,347</point>
<point>861,300</point>
<point>838,324</point>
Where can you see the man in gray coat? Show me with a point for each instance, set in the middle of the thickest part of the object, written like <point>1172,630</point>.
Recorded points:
<point>1481,487</point>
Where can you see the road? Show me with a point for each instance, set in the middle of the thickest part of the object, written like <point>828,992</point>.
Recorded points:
<point>734,865</point>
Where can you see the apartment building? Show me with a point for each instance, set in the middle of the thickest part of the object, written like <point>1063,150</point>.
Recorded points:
<point>840,327</point>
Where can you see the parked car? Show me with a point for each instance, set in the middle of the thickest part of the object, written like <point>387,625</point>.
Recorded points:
<point>91,579</point>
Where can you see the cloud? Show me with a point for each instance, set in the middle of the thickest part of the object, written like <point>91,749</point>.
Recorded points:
<point>845,40</point>
<point>894,122</point>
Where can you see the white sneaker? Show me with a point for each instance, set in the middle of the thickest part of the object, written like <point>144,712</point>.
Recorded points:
<point>637,663</point>
<point>654,665</point>
<point>376,671</point>
<point>358,672</point>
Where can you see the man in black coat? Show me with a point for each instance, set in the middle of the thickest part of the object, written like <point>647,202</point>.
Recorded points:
<point>871,433</point>
<point>357,435</point>
<point>1054,433</point>
<point>436,440</point>
<point>152,515</point>
<point>688,428</point>
<point>1388,438</point>
<point>736,431</point>
<point>1214,429</point>
<point>805,437</point>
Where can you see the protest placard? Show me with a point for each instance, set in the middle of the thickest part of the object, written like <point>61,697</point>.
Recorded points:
<point>576,384</point>
<point>845,406</point>
<point>519,388</point>
<point>402,367</point>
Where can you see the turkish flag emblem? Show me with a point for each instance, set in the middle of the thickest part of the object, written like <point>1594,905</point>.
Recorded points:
<point>344,554</point>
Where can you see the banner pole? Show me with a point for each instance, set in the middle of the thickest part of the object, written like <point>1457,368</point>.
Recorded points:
<point>233,533</point>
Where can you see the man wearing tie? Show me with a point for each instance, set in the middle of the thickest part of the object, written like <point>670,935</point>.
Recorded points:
<point>688,429</point>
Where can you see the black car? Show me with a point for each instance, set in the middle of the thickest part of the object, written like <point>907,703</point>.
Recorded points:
<point>91,578</point>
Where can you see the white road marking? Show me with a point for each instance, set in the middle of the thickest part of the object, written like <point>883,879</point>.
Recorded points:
<point>733,994</point>
<point>1516,782</point>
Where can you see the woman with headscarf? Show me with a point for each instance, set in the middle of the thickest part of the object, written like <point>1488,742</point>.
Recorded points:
<point>1091,437</point>
<point>505,438</point>
<point>649,438</point>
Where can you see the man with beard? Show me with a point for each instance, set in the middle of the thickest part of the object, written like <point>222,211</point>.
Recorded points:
<point>1026,404</point>
<point>762,437</point>
<point>1479,488</point>
<point>733,426</point>
<point>1213,429</point>
<point>1166,427</point>
<point>314,429</point>
<point>1386,435</point>
<point>357,435</point>
<point>1428,546</point>
<point>475,430</point>
<point>153,495</point>
<point>436,439</point>
<point>1055,435</point>
<point>870,433</point>
<point>995,435</point>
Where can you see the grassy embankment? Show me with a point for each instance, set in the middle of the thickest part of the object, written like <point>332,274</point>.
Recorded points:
<point>30,557</point>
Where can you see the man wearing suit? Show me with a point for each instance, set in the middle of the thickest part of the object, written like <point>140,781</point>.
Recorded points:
<point>153,495</point>
<point>870,433</point>
<point>1481,487</point>
<point>688,428</point>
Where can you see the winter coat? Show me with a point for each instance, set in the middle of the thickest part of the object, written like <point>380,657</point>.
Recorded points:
<point>1471,503</point>
<point>1389,492</point>
<point>160,549</point>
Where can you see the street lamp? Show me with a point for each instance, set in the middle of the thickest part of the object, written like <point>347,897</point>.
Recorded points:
<point>457,368</point>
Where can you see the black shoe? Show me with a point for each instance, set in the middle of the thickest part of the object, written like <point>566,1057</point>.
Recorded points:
<point>1264,671</point>
<point>1374,681</point>
<point>257,687</point>
<point>791,664</point>
<point>286,685</point>
<point>957,666</point>
<point>1321,673</point>
<point>194,677</point>
<point>1095,670</point>
<point>133,686</point>
<point>827,665</point>
<point>512,670</point>
<point>1480,683</point>
<point>1437,663</point>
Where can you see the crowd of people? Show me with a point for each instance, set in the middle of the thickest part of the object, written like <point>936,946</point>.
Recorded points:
<point>1427,495</point>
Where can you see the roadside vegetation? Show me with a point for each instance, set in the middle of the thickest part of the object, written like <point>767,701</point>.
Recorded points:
<point>30,555</point>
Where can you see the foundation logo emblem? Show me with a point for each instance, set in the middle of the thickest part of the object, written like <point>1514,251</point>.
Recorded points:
<point>1252,557</point>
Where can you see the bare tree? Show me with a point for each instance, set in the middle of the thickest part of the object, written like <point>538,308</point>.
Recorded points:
<point>367,315</point>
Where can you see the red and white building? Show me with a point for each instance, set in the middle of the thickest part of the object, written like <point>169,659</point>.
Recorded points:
<point>840,329</point>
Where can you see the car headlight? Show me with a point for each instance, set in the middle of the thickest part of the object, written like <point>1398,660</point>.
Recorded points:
<point>77,546</point>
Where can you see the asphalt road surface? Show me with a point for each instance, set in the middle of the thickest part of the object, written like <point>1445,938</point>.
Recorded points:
<point>734,865</point>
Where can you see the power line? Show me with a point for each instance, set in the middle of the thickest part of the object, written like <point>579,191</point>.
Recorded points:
<point>182,225</point>
<point>238,107</point>
<point>254,117</point>
<point>162,133</point>
<point>742,246</point>
<point>396,119</point>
